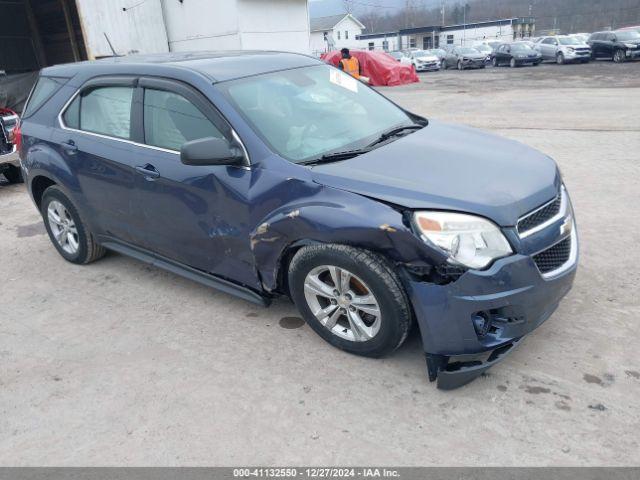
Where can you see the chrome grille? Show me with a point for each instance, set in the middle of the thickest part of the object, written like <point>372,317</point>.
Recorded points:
<point>553,257</point>
<point>540,216</point>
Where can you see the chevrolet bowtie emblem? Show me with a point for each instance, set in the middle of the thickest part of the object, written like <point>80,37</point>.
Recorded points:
<point>567,226</point>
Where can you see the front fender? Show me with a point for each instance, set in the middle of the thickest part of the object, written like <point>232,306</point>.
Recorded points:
<point>335,216</point>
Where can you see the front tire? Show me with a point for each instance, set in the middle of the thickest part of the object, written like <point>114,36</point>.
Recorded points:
<point>513,63</point>
<point>444,64</point>
<point>13,174</point>
<point>66,229</point>
<point>460,66</point>
<point>560,59</point>
<point>618,56</point>
<point>494,62</point>
<point>351,297</point>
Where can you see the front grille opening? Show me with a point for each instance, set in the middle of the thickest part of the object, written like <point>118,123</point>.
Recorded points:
<point>554,257</point>
<point>540,216</point>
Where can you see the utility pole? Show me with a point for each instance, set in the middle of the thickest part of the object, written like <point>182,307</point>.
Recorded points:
<point>442,11</point>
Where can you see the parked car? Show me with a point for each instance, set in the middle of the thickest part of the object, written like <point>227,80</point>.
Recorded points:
<point>483,48</point>
<point>422,61</point>
<point>465,57</point>
<point>582,37</point>
<point>635,28</point>
<point>515,54</point>
<point>563,49</point>
<point>398,56</point>
<point>438,52</point>
<point>268,174</point>
<point>377,67</point>
<point>619,45</point>
<point>9,160</point>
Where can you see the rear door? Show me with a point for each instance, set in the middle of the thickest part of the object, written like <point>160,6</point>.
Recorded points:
<point>94,138</point>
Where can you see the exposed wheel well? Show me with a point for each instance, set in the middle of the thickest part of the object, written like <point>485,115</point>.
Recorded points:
<point>38,186</point>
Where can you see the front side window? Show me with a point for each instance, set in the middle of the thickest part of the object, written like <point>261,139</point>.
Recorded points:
<point>103,110</point>
<point>307,112</point>
<point>170,120</point>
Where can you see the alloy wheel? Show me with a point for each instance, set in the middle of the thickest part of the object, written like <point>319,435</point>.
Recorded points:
<point>618,57</point>
<point>63,227</point>
<point>342,303</point>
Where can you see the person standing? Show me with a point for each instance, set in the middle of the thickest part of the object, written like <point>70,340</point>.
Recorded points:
<point>349,64</point>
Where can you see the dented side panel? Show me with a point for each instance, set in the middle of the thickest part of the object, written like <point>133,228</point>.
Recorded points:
<point>316,213</point>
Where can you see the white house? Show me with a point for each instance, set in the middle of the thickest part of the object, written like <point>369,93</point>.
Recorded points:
<point>334,32</point>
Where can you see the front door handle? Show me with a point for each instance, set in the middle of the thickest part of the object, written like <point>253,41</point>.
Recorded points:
<point>148,171</point>
<point>69,146</point>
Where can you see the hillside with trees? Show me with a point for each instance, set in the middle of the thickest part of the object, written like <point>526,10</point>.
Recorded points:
<point>565,16</point>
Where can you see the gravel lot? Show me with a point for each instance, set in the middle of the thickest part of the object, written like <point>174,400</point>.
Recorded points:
<point>119,363</point>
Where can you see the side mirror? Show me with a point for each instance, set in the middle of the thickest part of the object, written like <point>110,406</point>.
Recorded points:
<point>210,151</point>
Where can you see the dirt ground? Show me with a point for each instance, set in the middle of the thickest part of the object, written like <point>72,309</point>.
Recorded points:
<point>118,363</point>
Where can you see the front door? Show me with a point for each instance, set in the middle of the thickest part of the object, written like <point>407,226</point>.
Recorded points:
<point>195,215</point>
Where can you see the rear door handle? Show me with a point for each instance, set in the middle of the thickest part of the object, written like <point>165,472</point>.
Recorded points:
<point>69,146</point>
<point>148,171</point>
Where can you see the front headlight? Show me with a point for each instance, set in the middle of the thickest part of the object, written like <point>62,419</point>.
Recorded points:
<point>630,45</point>
<point>466,239</point>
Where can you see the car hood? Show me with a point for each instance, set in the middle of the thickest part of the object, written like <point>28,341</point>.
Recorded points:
<point>474,56</point>
<point>447,167</point>
<point>428,58</point>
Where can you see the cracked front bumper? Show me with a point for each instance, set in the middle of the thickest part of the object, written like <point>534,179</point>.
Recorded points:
<point>512,295</point>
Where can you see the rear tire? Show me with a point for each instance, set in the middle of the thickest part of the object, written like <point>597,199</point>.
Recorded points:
<point>371,280</point>
<point>13,174</point>
<point>67,231</point>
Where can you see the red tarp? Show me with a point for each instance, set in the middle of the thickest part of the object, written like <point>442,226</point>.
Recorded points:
<point>381,68</point>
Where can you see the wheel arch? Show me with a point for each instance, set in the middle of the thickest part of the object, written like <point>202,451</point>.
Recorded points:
<point>336,217</point>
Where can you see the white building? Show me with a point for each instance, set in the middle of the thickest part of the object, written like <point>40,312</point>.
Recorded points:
<point>237,25</point>
<point>334,32</point>
<point>503,30</point>
<point>46,32</point>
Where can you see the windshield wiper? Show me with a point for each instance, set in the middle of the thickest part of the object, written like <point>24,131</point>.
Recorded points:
<point>394,132</point>
<point>347,154</point>
<point>336,156</point>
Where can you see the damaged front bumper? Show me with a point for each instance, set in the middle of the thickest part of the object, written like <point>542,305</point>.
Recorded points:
<point>472,323</point>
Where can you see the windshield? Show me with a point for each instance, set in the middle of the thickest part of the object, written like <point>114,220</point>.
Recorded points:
<point>521,47</point>
<point>483,48</point>
<point>628,35</point>
<point>421,53</point>
<point>437,52</point>
<point>568,41</point>
<point>309,112</point>
<point>467,51</point>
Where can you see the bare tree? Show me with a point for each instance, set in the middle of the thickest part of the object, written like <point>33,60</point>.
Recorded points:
<point>348,6</point>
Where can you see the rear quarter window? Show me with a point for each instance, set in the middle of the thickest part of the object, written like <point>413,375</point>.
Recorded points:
<point>43,90</point>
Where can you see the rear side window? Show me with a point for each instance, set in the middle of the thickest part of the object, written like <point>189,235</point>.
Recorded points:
<point>170,120</point>
<point>103,110</point>
<point>43,90</point>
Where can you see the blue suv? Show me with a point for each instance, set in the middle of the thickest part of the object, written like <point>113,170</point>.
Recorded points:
<point>268,174</point>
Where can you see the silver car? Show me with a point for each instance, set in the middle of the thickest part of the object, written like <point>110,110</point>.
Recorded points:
<point>563,49</point>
